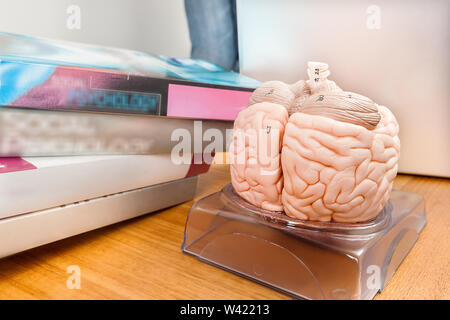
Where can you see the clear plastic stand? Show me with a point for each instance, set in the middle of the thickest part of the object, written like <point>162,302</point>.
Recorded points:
<point>308,260</point>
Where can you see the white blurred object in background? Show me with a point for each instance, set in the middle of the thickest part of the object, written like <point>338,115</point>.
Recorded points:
<point>394,52</point>
<point>153,26</point>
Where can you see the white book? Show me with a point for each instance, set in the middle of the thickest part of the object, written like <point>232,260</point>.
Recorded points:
<point>37,228</point>
<point>38,183</point>
<point>29,132</point>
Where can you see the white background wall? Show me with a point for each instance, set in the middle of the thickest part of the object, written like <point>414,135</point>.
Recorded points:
<point>157,26</point>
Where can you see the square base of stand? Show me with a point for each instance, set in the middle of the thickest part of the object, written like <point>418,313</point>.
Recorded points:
<point>304,259</point>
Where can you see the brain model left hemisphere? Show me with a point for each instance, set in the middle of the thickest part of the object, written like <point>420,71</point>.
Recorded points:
<point>314,151</point>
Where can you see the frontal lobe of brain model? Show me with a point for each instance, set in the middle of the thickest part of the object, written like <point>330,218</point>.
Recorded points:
<point>314,151</point>
<point>257,177</point>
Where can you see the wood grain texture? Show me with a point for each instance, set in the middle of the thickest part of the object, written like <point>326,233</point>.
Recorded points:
<point>142,259</point>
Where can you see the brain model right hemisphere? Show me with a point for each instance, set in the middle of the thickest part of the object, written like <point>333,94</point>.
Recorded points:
<point>314,151</point>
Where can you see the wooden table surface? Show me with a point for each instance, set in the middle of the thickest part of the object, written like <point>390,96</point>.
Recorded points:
<point>141,258</point>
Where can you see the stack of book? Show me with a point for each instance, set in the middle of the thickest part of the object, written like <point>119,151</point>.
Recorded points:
<point>88,133</point>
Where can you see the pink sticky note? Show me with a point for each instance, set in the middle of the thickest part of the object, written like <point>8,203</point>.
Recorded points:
<point>14,164</point>
<point>205,103</point>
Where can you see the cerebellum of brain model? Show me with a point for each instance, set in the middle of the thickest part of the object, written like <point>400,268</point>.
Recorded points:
<point>314,151</point>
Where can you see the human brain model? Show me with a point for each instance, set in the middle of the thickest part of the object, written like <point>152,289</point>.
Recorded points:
<point>314,151</point>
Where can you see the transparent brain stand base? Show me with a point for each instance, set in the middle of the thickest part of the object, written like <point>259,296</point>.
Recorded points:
<point>304,259</point>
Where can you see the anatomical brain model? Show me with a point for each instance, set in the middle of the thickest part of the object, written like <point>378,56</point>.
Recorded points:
<point>314,151</point>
